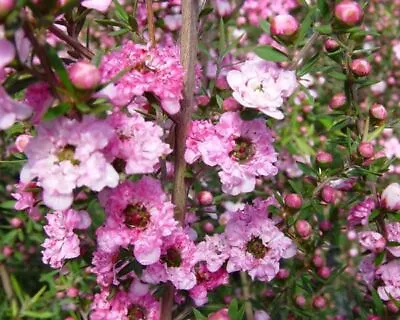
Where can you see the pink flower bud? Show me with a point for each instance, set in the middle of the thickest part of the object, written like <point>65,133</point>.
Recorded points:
<point>22,141</point>
<point>208,227</point>
<point>203,100</point>
<point>324,272</point>
<point>293,201</point>
<point>72,292</point>
<point>390,198</point>
<point>318,261</point>
<point>230,104</point>
<point>378,111</point>
<point>8,251</point>
<point>324,157</point>
<point>328,194</point>
<point>221,314</point>
<point>392,307</point>
<point>325,225</point>
<point>6,6</point>
<point>300,301</point>
<point>331,45</point>
<point>16,222</point>
<point>360,67</point>
<point>319,302</point>
<point>337,101</point>
<point>284,25</point>
<point>349,12</point>
<point>303,228</point>
<point>366,149</point>
<point>205,198</point>
<point>283,274</point>
<point>60,295</point>
<point>84,75</point>
<point>373,317</point>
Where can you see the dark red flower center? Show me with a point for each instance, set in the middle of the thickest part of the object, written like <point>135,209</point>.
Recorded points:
<point>243,150</point>
<point>136,313</point>
<point>136,216</point>
<point>172,258</point>
<point>257,248</point>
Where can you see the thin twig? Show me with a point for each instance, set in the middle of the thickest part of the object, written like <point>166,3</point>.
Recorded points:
<point>150,23</point>
<point>298,59</point>
<point>75,44</point>
<point>246,296</point>
<point>5,281</point>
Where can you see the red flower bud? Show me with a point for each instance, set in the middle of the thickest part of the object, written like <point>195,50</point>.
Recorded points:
<point>328,194</point>
<point>324,157</point>
<point>303,228</point>
<point>205,198</point>
<point>284,25</point>
<point>293,201</point>
<point>366,149</point>
<point>300,301</point>
<point>378,111</point>
<point>324,272</point>
<point>331,45</point>
<point>360,67</point>
<point>337,101</point>
<point>84,75</point>
<point>319,302</point>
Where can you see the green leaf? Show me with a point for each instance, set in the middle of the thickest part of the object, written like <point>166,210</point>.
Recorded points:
<point>305,26</point>
<point>198,315</point>
<point>17,289</point>
<point>57,111</point>
<point>205,12</point>
<point>119,32</point>
<point>120,12</point>
<point>324,29</point>
<point>265,26</point>
<point>222,38</point>
<point>304,146</point>
<point>306,68</point>
<point>58,66</point>
<point>337,75</point>
<point>38,314</point>
<point>270,54</point>
<point>107,22</point>
<point>8,204</point>
<point>219,101</point>
<point>393,244</point>
<point>307,169</point>
<point>233,309</point>
<point>378,304</point>
<point>373,215</point>
<point>379,258</point>
<point>323,7</point>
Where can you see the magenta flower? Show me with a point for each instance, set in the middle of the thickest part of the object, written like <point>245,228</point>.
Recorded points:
<point>393,234</point>
<point>67,154</point>
<point>38,96</point>
<point>11,110</point>
<point>137,143</point>
<point>62,243</point>
<point>154,70</point>
<point>262,85</point>
<point>360,212</point>
<point>372,241</point>
<point>389,273</point>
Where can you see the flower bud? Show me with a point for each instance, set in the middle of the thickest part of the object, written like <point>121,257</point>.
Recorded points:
<point>230,104</point>
<point>300,301</point>
<point>8,251</point>
<point>293,201</point>
<point>360,67</point>
<point>390,198</point>
<point>303,228</point>
<point>328,194</point>
<point>331,45</point>
<point>373,317</point>
<point>221,314</point>
<point>84,75</point>
<point>318,261</point>
<point>348,12</point>
<point>319,302</point>
<point>72,292</point>
<point>283,274</point>
<point>324,272</point>
<point>22,141</point>
<point>324,157</point>
<point>16,222</point>
<point>325,225</point>
<point>6,6</point>
<point>205,198</point>
<point>337,101</point>
<point>392,307</point>
<point>284,25</point>
<point>366,149</point>
<point>378,111</point>
<point>208,227</point>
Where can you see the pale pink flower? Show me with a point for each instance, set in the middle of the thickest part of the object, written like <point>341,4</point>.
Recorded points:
<point>214,250</point>
<point>261,315</point>
<point>390,198</point>
<point>67,154</point>
<point>392,147</point>
<point>360,212</point>
<point>137,142</point>
<point>389,273</point>
<point>176,263</point>
<point>393,235</point>
<point>28,198</point>
<point>22,141</point>
<point>256,244</point>
<point>39,98</point>
<point>367,269</point>
<point>224,7</point>
<point>99,5</point>
<point>153,70</point>
<point>11,110</point>
<point>62,243</point>
<point>261,85</point>
<point>257,10</point>
<point>7,53</point>
<point>372,241</point>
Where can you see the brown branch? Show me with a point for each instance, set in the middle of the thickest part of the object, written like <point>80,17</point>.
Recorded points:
<point>150,22</point>
<point>188,49</point>
<point>246,296</point>
<point>5,281</point>
<point>75,44</point>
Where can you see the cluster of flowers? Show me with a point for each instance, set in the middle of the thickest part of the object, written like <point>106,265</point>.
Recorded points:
<point>385,241</point>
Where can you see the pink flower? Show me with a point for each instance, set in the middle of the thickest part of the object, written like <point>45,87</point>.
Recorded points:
<point>390,198</point>
<point>393,234</point>
<point>372,241</point>
<point>99,5</point>
<point>242,149</point>
<point>154,70</point>
<point>207,281</point>
<point>389,273</point>
<point>214,250</point>
<point>256,244</point>
<point>368,269</point>
<point>261,315</point>
<point>224,7</point>
<point>140,210</point>
<point>67,154</point>
<point>257,10</point>
<point>62,243</point>
<point>392,148</point>
<point>38,96</point>
<point>11,111</point>
<point>360,212</point>
<point>7,53</point>
<point>176,263</point>
<point>137,142</point>
<point>262,85</point>
<point>27,199</point>
<point>22,141</point>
